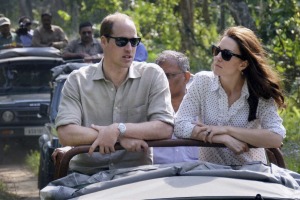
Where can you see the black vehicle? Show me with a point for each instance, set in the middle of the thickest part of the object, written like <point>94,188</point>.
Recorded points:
<point>48,141</point>
<point>24,86</point>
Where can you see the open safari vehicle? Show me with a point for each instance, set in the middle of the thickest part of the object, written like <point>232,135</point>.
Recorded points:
<point>189,180</point>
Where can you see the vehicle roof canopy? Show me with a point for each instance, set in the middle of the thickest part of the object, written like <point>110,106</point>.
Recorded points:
<point>66,69</point>
<point>30,51</point>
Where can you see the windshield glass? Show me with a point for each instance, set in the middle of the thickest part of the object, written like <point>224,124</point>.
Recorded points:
<point>25,78</point>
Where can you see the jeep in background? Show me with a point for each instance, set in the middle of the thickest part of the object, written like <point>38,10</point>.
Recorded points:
<point>49,140</point>
<point>24,85</point>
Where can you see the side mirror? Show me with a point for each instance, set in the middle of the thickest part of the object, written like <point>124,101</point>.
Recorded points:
<point>43,110</point>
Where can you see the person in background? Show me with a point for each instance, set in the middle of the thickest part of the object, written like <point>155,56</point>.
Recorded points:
<point>177,69</point>
<point>24,31</point>
<point>235,104</point>
<point>8,39</point>
<point>115,100</point>
<point>86,47</point>
<point>48,35</point>
<point>141,53</point>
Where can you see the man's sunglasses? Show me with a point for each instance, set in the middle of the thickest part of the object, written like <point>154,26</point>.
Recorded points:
<point>122,41</point>
<point>225,53</point>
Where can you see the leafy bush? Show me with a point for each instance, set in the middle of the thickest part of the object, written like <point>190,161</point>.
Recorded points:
<point>291,147</point>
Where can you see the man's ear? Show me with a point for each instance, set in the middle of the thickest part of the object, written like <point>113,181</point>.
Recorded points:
<point>103,41</point>
<point>187,76</point>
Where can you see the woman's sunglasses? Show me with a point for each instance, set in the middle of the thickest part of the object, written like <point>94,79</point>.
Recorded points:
<point>225,53</point>
<point>122,41</point>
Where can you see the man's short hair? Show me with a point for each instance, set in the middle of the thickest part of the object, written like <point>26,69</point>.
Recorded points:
<point>46,14</point>
<point>108,22</point>
<point>181,59</point>
<point>25,18</point>
<point>85,24</point>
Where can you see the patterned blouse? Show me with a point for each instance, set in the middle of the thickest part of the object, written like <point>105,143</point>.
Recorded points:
<point>207,101</point>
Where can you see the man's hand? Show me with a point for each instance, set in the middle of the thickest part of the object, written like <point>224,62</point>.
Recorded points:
<point>133,145</point>
<point>106,139</point>
<point>57,150</point>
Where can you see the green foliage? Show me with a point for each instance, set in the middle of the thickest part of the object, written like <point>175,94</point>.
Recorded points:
<point>280,31</point>
<point>2,187</point>
<point>64,15</point>
<point>291,119</point>
<point>291,146</point>
<point>32,161</point>
<point>4,195</point>
<point>149,18</point>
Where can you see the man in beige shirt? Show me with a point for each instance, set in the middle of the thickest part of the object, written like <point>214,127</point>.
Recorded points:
<point>115,100</point>
<point>85,47</point>
<point>48,35</point>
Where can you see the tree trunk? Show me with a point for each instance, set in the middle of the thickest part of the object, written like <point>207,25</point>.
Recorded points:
<point>240,12</point>
<point>26,8</point>
<point>74,18</point>
<point>205,12</point>
<point>186,9</point>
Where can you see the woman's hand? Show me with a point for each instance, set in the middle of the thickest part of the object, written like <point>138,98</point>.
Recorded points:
<point>215,130</point>
<point>199,132</point>
<point>237,146</point>
<point>133,145</point>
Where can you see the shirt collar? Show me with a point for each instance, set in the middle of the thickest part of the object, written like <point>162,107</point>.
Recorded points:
<point>51,29</point>
<point>216,85</point>
<point>133,71</point>
<point>80,42</point>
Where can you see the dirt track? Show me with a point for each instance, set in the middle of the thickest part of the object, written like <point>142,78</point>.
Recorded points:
<point>18,179</point>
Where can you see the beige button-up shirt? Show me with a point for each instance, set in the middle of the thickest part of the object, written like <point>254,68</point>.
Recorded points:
<point>89,98</point>
<point>56,37</point>
<point>76,46</point>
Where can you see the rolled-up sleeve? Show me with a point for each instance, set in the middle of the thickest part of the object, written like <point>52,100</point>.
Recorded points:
<point>153,91</point>
<point>269,117</point>
<point>70,107</point>
<point>189,110</point>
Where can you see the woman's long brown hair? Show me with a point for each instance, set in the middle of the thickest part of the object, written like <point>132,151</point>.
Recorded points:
<point>262,80</point>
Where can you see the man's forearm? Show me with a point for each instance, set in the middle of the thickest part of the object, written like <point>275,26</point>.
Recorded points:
<point>74,135</point>
<point>153,130</point>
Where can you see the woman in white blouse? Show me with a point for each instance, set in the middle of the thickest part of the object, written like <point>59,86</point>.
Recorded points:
<point>235,104</point>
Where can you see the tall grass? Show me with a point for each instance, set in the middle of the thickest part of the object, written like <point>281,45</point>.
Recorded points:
<point>32,161</point>
<point>4,195</point>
